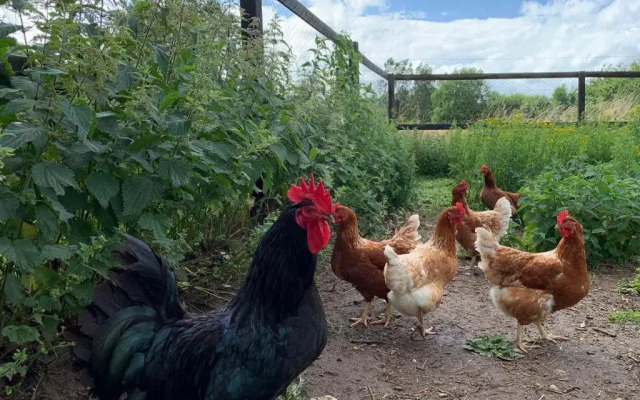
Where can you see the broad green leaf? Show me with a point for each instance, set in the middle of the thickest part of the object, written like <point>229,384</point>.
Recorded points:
<point>59,252</point>
<point>156,223</point>
<point>126,77</point>
<point>179,172</point>
<point>6,91</point>
<point>81,116</point>
<point>25,84</point>
<point>49,71</point>
<point>20,334</point>
<point>168,100</point>
<point>48,174</point>
<point>313,153</point>
<point>8,29</point>
<point>108,122</point>
<point>280,151</point>
<point>9,204</point>
<point>83,291</point>
<point>47,223</point>
<point>138,192</point>
<point>12,289</point>
<point>18,105</point>
<point>103,186</point>
<point>23,253</point>
<point>50,326</point>
<point>145,141</point>
<point>161,54</point>
<point>18,133</point>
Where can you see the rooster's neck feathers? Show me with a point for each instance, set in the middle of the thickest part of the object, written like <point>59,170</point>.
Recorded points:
<point>281,272</point>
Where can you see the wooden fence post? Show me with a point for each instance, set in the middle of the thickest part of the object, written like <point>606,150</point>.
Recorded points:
<point>391,96</point>
<point>581,95</point>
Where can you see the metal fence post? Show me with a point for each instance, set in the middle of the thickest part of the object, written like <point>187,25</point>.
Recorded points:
<point>355,47</point>
<point>390,100</point>
<point>251,9</point>
<point>581,95</point>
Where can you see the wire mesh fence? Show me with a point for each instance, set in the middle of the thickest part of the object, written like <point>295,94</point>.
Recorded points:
<point>298,34</point>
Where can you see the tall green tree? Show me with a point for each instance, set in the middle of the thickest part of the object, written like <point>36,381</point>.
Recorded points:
<point>460,101</point>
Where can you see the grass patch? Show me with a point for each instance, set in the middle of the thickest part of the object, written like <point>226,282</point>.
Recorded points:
<point>625,317</point>
<point>433,193</point>
<point>493,346</point>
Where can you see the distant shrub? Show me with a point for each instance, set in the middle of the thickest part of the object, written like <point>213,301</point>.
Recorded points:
<point>516,150</point>
<point>432,155</point>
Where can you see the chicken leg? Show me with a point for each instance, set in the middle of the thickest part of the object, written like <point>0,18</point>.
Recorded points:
<point>387,317</point>
<point>363,318</point>
<point>544,334</point>
<point>420,327</point>
<point>520,343</point>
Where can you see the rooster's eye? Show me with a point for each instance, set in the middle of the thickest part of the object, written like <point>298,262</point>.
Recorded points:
<point>307,210</point>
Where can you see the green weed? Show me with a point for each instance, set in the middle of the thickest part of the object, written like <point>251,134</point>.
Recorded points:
<point>625,317</point>
<point>494,346</point>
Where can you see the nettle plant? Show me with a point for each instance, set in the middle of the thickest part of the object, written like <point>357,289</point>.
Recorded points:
<point>141,119</point>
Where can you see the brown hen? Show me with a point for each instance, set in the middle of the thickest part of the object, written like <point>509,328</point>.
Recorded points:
<point>361,261</point>
<point>496,220</point>
<point>530,286</point>
<point>491,194</point>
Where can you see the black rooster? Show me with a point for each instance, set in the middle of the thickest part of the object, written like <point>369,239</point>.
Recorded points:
<point>141,342</point>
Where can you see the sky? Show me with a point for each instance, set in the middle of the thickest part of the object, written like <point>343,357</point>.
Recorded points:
<point>493,35</point>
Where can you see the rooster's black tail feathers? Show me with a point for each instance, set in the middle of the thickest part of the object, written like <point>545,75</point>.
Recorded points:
<point>119,325</point>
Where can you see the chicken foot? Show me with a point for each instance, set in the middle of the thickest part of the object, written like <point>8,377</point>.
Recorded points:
<point>363,319</point>
<point>387,316</point>
<point>420,327</point>
<point>544,334</point>
<point>519,342</point>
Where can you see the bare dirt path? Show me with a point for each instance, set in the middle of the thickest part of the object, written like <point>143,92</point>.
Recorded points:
<point>385,363</point>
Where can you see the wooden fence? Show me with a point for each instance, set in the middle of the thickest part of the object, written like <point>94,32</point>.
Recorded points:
<point>580,76</point>
<point>253,12</point>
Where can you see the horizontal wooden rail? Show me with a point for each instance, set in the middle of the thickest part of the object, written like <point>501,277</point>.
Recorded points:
<point>516,75</point>
<point>442,127</point>
<point>316,23</point>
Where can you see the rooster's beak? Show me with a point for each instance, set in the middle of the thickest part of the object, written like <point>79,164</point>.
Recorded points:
<point>329,218</point>
<point>557,226</point>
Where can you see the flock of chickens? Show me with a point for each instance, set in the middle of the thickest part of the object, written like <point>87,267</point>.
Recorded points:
<point>136,338</point>
<point>411,276</point>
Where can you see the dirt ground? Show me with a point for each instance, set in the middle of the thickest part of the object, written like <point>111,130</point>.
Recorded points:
<point>385,363</point>
<point>600,361</point>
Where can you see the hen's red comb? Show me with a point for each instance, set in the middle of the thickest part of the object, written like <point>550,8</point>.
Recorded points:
<point>460,208</point>
<point>317,194</point>
<point>464,184</point>
<point>560,218</point>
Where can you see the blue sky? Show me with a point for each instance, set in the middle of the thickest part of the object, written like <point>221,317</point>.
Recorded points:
<point>491,35</point>
<point>448,10</point>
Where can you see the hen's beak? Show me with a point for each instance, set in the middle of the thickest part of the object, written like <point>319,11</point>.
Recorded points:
<point>557,226</point>
<point>329,217</point>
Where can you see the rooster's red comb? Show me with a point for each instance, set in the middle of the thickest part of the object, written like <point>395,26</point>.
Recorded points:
<point>316,194</point>
<point>460,208</point>
<point>560,218</point>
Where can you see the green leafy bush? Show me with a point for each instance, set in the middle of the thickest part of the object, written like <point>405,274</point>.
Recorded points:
<point>516,150</point>
<point>432,157</point>
<point>606,202</point>
<point>157,119</point>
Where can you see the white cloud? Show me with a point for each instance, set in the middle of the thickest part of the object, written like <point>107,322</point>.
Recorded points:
<point>560,35</point>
